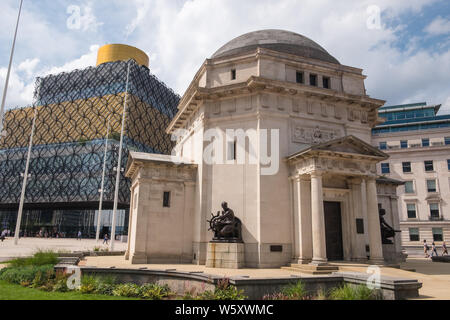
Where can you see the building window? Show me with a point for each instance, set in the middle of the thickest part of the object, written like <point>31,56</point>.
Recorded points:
<point>385,168</point>
<point>233,74</point>
<point>409,187</point>
<point>448,164</point>
<point>429,166</point>
<point>404,144</point>
<point>166,199</point>
<point>383,145</point>
<point>231,154</point>
<point>406,167</point>
<point>447,141</point>
<point>434,211</point>
<point>425,142</point>
<point>414,234</point>
<point>313,80</point>
<point>359,226</point>
<point>431,185</point>
<point>299,77</point>
<point>326,82</point>
<point>411,209</point>
<point>438,234</point>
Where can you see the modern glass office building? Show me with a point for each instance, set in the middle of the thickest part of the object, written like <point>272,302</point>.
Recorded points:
<point>411,117</point>
<point>74,112</point>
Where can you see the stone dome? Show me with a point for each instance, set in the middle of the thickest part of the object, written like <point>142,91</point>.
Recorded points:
<point>277,40</point>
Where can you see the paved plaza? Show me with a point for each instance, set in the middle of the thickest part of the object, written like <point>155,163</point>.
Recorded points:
<point>27,246</point>
<point>434,276</point>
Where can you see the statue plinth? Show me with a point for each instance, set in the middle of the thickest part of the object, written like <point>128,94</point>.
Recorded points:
<point>227,255</point>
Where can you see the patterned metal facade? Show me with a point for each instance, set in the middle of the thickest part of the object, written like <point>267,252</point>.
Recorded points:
<point>73,111</point>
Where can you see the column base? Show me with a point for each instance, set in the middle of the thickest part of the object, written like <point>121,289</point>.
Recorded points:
<point>138,258</point>
<point>301,261</point>
<point>377,261</point>
<point>319,262</point>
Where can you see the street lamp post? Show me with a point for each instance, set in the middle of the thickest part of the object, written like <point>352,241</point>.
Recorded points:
<point>119,165</point>
<point>5,89</point>
<point>100,206</point>
<point>25,179</point>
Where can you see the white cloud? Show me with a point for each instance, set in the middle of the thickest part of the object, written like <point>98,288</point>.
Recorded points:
<point>21,89</point>
<point>88,20</point>
<point>180,35</point>
<point>86,60</point>
<point>28,66</point>
<point>438,26</point>
<point>143,7</point>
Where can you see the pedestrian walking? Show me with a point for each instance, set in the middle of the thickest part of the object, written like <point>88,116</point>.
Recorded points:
<point>426,248</point>
<point>444,249</point>
<point>79,235</point>
<point>433,250</point>
<point>105,239</point>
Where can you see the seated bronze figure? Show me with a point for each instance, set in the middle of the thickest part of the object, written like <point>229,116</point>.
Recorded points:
<point>226,227</point>
<point>386,230</point>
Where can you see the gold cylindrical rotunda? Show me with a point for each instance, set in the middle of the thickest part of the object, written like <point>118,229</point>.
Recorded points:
<point>121,52</point>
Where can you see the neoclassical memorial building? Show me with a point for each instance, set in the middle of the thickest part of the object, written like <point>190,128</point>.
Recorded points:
<point>280,130</point>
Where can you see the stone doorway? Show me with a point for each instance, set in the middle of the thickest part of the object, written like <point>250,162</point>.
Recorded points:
<point>333,231</point>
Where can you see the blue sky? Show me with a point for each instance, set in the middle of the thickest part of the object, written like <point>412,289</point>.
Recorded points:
<point>406,60</point>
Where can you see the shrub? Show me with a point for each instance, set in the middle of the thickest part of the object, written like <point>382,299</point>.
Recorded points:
<point>223,291</point>
<point>60,283</point>
<point>24,275</point>
<point>154,291</point>
<point>127,290</point>
<point>89,284</point>
<point>295,291</point>
<point>40,258</point>
<point>349,292</point>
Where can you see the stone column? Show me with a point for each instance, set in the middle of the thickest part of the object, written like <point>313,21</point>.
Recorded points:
<point>358,246</point>
<point>318,220</point>
<point>302,220</point>
<point>373,217</point>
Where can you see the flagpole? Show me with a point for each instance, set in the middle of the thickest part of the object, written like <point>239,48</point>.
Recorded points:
<point>119,165</point>
<point>25,179</point>
<point>100,206</point>
<point>5,89</point>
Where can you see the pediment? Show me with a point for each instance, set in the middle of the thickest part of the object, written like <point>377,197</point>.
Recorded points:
<point>351,144</point>
<point>346,145</point>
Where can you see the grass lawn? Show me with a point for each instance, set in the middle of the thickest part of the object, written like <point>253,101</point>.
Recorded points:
<point>16,292</point>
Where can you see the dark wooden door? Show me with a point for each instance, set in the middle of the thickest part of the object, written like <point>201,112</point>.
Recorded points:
<point>333,231</point>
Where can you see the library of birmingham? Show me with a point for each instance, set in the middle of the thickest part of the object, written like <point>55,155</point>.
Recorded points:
<point>271,124</point>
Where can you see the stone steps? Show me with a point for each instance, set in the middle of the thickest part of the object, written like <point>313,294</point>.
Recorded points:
<point>312,269</point>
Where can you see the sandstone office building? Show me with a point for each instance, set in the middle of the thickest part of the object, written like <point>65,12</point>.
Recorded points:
<point>317,201</point>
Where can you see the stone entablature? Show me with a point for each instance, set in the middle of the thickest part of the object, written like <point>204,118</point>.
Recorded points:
<point>283,96</point>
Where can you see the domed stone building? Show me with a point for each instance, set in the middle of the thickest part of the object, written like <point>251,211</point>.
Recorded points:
<point>280,130</point>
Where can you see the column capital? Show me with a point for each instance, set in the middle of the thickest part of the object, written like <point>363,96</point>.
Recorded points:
<point>370,179</point>
<point>354,181</point>
<point>316,174</point>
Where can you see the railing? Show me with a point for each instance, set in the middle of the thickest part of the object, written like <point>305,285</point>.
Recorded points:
<point>440,218</point>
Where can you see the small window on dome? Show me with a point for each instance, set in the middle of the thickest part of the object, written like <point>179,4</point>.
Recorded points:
<point>299,77</point>
<point>233,74</point>
<point>313,80</point>
<point>326,82</point>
